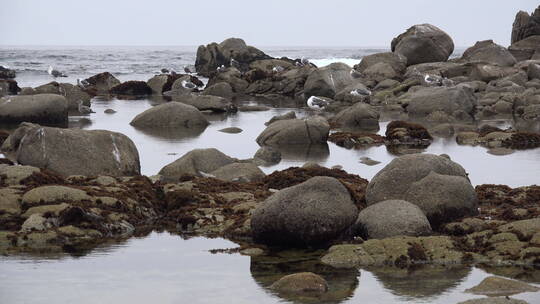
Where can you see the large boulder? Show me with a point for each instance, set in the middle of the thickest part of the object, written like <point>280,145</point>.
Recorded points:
<point>525,49</point>
<point>73,151</point>
<point>533,71</point>
<point>171,114</point>
<point>314,212</point>
<point>233,77</point>
<point>393,181</point>
<point>221,89</point>
<point>206,102</point>
<point>6,73</point>
<point>443,198</point>
<point>329,80</point>
<point>239,172</point>
<point>489,52</point>
<point>72,93</point>
<point>42,108</point>
<point>392,218</point>
<point>313,130</point>
<point>359,116</point>
<point>8,87</point>
<point>450,100</point>
<point>131,88</point>
<point>526,25</point>
<point>396,61</point>
<point>214,55</point>
<point>101,83</point>
<point>197,162</point>
<point>487,72</point>
<point>423,43</point>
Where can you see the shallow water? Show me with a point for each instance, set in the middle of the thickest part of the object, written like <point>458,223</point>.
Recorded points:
<point>164,268</point>
<point>158,148</point>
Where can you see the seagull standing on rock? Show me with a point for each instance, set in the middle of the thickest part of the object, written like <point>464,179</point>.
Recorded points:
<point>432,80</point>
<point>278,69</point>
<point>84,109</point>
<point>235,63</point>
<point>355,74</point>
<point>188,84</point>
<point>361,92</point>
<point>82,83</point>
<point>220,68</point>
<point>55,73</point>
<point>317,103</point>
<point>304,61</point>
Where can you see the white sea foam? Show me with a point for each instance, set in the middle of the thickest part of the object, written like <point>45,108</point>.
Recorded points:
<point>326,61</point>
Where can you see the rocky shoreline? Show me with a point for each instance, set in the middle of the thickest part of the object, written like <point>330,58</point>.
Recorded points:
<point>69,190</point>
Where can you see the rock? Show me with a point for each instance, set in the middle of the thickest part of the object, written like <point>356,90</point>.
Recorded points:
<point>252,252</point>
<point>533,72</point>
<point>406,133</point>
<point>52,210</point>
<point>231,130</point>
<point>101,83</point>
<point>492,300</point>
<point>239,172</point>
<point>368,161</point>
<point>397,62</point>
<point>288,115</point>
<point>13,175</point>
<point>164,82</point>
<point>8,87</point>
<point>467,138</point>
<point>10,201</point>
<point>207,102</point>
<point>328,80</point>
<point>489,52</point>
<point>36,222</point>
<point>313,212</point>
<point>496,286</point>
<point>214,55</point>
<point>131,88</point>
<point>381,71</point>
<point>393,181</point>
<point>195,162</point>
<point>443,198</point>
<point>73,151</point>
<point>359,116</point>
<point>450,100</point>
<point>268,65</point>
<point>6,73</point>
<point>42,108</point>
<point>313,130</point>
<point>233,77</point>
<point>525,229</point>
<point>267,156</point>
<point>221,89</point>
<point>170,114</point>
<point>525,49</point>
<point>500,151</point>
<point>301,283</point>
<point>54,194</point>
<point>109,111</point>
<point>392,218</point>
<point>525,25</point>
<point>73,94</point>
<point>423,43</point>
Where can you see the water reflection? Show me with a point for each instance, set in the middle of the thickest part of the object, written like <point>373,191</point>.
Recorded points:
<point>304,153</point>
<point>172,134</point>
<point>265,270</point>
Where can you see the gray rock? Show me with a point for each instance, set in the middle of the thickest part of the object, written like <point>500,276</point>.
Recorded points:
<point>368,161</point>
<point>533,72</point>
<point>393,181</point>
<point>13,175</point>
<point>162,83</point>
<point>397,62</point>
<point>221,89</point>
<point>443,198</point>
<point>233,77</point>
<point>525,25</point>
<point>231,130</point>
<point>73,151</point>
<point>288,115</point>
<point>496,286</point>
<point>42,108</point>
<point>196,162</point>
<point>313,130</point>
<point>206,102</point>
<point>489,52</point>
<point>171,114</point>
<point>525,49</point>
<point>313,212</point>
<point>6,73</point>
<point>423,43</point>
<point>267,156</point>
<point>239,172</point>
<point>359,116</point>
<point>73,94</point>
<point>328,80</point>
<point>10,201</point>
<point>36,222</point>
<point>102,82</point>
<point>392,218</point>
<point>446,99</point>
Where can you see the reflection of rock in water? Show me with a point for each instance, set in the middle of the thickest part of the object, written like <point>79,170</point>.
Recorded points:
<point>422,281</point>
<point>80,123</point>
<point>527,125</point>
<point>525,274</point>
<point>342,283</point>
<point>304,153</point>
<point>176,133</point>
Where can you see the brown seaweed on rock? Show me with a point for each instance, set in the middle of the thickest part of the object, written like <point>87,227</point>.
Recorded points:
<point>414,131</point>
<point>353,140</point>
<point>522,141</point>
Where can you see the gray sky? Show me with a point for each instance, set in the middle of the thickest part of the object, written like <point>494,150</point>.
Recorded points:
<point>261,23</point>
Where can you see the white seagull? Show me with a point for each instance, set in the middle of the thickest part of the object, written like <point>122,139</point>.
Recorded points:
<point>188,84</point>
<point>82,83</point>
<point>317,103</point>
<point>55,73</point>
<point>278,69</point>
<point>84,109</point>
<point>355,74</point>
<point>432,80</point>
<point>304,61</point>
<point>234,63</point>
<point>361,92</point>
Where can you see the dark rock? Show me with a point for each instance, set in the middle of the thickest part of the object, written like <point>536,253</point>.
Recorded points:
<point>131,88</point>
<point>101,83</point>
<point>239,172</point>
<point>288,115</point>
<point>196,162</point>
<point>6,73</point>
<point>489,52</point>
<point>314,212</point>
<point>525,49</point>
<point>533,72</point>
<point>231,130</point>
<point>8,87</point>
<point>496,286</point>
<point>42,108</point>
<point>328,80</point>
<point>526,25</point>
<point>171,114</point>
<point>313,130</point>
<point>423,43</point>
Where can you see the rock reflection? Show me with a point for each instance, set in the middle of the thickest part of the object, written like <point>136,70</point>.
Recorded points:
<point>526,274</point>
<point>422,281</point>
<point>304,153</point>
<point>172,133</point>
<point>265,270</point>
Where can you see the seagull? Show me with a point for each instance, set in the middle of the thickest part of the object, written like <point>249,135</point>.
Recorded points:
<point>278,69</point>
<point>432,80</point>
<point>361,92</point>
<point>84,109</point>
<point>207,175</point>
<point>220,68</point>
<point>317,103</point>
<point>355,74</point>
<point>304,61</point>
<point>235,63</point>
<point>164,71</point>
<point>188,84</point>
<point>55,73</point>
<point>82,83</point>
<point>187,70</point>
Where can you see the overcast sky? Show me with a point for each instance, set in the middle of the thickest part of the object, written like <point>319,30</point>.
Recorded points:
<point>261,23</point>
